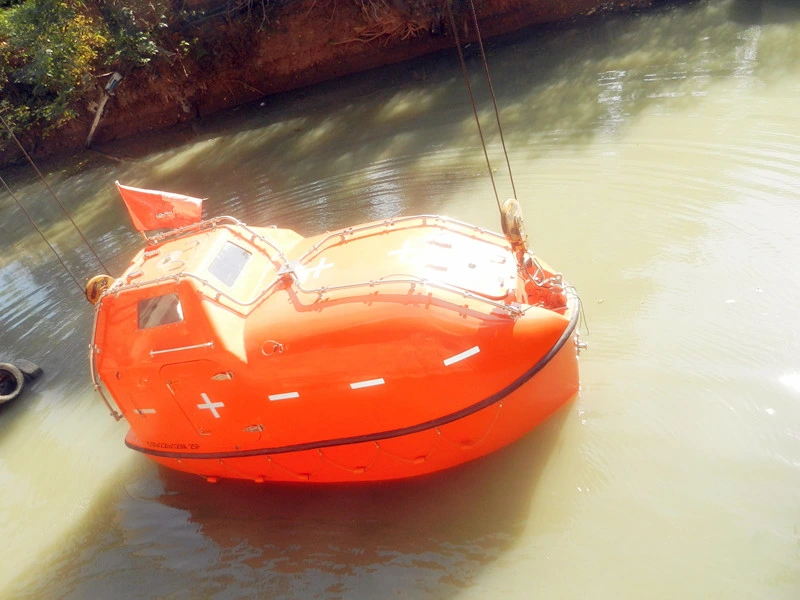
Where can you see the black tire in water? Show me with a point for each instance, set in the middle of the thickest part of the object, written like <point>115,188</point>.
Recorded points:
<point>11,382</point>
<point>29,369</point>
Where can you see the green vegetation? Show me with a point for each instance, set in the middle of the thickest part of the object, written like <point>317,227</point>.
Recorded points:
<point>55,54</point>
<point>47,51</point>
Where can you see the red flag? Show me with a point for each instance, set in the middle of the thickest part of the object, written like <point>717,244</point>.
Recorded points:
<point>151,209</point>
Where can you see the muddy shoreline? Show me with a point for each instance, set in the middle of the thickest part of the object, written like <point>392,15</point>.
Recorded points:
<point>309,42</point>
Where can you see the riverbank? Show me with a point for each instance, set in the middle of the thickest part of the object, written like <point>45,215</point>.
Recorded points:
<point>303,43</point>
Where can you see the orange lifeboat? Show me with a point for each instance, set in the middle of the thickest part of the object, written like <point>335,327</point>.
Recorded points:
<point>380,351</point>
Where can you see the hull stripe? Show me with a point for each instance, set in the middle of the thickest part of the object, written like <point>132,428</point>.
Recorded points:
<point>382,435</point>
<point>459,357</point>
<point>368,383</point>
<point>285,396</point>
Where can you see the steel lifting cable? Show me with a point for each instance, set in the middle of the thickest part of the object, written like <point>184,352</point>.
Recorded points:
<point>491,92</point>
<point>33,164</point>
<point>41,233</point>
<point>471,97</point>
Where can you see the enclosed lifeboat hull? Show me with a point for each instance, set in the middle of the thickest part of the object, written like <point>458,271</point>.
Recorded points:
<point>383,351</point>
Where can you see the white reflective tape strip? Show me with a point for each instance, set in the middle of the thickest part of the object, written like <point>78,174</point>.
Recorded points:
<point>436,267</point>
<point>145,411</point>
<point>368,383</point>
<point>459,357</point>
<point>285,396</point>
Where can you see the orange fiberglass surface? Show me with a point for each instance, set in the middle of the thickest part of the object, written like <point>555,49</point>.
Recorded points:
<point>380,351</point>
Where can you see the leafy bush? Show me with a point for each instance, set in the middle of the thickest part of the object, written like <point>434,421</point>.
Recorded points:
<point>133,33</point>
<point>53,51</point>
<point>47,49</point>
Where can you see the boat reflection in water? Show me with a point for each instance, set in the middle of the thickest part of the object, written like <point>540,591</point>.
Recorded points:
<point>439,532</point>
<point>380,351</point>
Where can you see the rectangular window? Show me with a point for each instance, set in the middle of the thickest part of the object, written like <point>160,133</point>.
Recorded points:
<point>229,263</point>
<point>161,310</point>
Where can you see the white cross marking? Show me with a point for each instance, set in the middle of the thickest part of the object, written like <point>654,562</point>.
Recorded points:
<point>212,406</point>
<point>403,252</point>
<point>322,265</point>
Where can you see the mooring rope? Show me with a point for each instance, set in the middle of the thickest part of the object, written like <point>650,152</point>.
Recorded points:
<point>33,164</point>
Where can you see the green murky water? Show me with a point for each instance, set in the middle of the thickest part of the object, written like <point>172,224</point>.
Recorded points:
<point>657,157</point>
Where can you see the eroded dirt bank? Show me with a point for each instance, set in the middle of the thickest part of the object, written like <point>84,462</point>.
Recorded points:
<point>308,42</point>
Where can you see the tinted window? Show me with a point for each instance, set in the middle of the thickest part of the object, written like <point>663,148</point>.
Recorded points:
<point>161,310</point>
<point>228,264</point>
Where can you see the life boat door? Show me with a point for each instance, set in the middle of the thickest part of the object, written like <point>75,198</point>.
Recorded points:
<point>207,395</point>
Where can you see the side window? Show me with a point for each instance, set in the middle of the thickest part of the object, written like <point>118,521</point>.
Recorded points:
<point>161,310</point>
<point>229,263</point>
